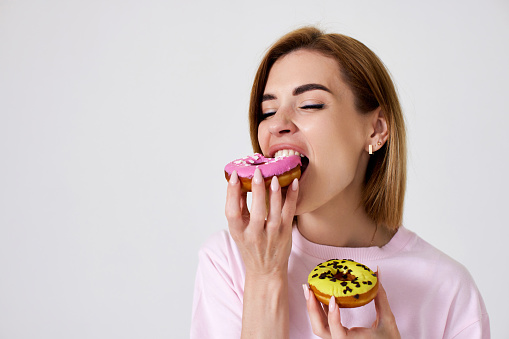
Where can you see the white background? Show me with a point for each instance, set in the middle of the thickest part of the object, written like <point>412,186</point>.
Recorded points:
<point>117,118</point>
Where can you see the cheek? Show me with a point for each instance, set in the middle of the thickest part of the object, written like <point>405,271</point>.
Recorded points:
<point>341,148</point>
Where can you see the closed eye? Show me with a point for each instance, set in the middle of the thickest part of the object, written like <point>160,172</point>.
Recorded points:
<point>310,107</point>
<point>268,114</point>
<point>315,106</point>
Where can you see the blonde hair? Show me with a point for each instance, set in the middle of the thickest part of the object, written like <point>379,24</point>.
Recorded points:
<point>371,84</point>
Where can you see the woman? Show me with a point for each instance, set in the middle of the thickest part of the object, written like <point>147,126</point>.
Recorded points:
<point>330,98</point>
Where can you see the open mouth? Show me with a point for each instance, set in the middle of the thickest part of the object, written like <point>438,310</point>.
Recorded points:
<point>289,152</point>
<point>305,163</point>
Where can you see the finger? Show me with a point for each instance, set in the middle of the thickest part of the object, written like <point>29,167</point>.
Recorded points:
<point>316,314</point>
<point>381,302</point>
<point>336,329</point>
<point>258,206</point>
<point>290,204</point>
<point>243,206</point>
<point>385,317</point>
<point>275,201</point>
<point>233,210</point>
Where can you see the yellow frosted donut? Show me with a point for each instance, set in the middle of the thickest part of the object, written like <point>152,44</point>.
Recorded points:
<point>351,283</point>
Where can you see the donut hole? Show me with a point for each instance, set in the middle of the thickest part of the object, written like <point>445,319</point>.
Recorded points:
<point>344,276</point>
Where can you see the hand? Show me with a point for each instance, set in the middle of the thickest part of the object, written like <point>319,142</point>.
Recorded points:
<point>263,237</point>
<point>326,321</point>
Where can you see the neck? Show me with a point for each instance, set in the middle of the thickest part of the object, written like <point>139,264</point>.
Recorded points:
<point>345,226</point>
<point>343,221</point>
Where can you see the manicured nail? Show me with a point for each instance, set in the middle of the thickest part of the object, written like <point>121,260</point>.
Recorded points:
<point>234,178</point>
<point>295,184</point>
<point>257,178</point>
<point>332,304</point>
<point>274,184</point>
<point>306,291</point>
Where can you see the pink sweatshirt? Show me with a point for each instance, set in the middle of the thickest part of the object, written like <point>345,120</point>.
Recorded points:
<point>430,294</point>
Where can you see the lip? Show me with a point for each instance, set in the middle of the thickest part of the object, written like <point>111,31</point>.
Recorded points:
<point>274,148</point>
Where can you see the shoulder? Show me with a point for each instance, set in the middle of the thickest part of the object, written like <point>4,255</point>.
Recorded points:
<point>420,252</point>
<point>216,242</point>
<point>414,257</point>
<point>442,263</point>
<point>218,245</point>
<point>449,284</point>
<point>219,253</point>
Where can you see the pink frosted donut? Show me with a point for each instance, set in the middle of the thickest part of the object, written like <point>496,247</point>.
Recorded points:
<point>286,168</point>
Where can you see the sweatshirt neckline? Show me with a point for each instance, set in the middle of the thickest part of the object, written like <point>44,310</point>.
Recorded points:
<point>326,252</point>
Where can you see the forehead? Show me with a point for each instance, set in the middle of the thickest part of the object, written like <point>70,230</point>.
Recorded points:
<point>303,67</point>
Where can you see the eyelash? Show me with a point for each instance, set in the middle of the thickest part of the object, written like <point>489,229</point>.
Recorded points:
<point>266,115</point>
<point>316,106</point>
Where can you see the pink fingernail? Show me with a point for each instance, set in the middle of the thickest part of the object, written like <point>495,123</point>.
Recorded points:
<point>234,178</point>
<point>306,291</point>
<point>332,304</point>
<point>295,184</point>
<point>257,178</point>
<point>274,184</point>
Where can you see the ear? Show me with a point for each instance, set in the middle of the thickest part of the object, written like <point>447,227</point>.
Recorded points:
<point>378,130</point>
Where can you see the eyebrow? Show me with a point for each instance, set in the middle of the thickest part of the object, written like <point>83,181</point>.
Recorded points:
<point>299,90</point>
<point>310,87</point>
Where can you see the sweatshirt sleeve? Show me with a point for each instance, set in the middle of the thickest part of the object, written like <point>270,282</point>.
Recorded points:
<point>480,329</point>
<point>218,292</point>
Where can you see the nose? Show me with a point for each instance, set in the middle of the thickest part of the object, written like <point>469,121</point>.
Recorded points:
<point>282,123</point>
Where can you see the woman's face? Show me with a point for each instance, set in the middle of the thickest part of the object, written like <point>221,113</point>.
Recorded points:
<point>308,108</point>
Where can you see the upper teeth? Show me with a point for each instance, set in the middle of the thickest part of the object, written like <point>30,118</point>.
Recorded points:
<point>286,153</point>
